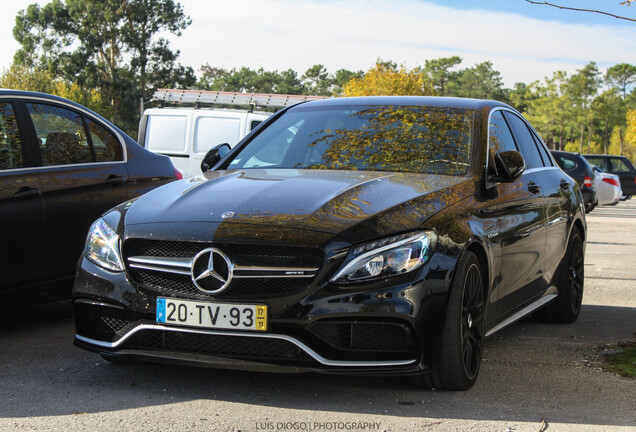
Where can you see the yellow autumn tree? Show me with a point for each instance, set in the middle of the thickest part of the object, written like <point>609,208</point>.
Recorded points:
<point>89,98</point>
<point>28,79</point>
<point>387,79</point>
<point>629,144</point>
<point>39,80</point>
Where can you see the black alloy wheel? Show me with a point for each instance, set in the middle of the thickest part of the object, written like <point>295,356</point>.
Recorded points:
<point>462,338</point>
<point>567,306</point>
<point>472,321</point>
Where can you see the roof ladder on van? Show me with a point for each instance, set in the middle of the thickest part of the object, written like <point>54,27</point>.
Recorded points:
<point>198,97</point>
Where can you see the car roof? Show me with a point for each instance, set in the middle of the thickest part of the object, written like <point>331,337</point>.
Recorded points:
<point>30,94</point>
<point>432,101</point>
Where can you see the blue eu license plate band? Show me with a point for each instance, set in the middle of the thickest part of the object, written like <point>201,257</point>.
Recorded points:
<point>161,310</point>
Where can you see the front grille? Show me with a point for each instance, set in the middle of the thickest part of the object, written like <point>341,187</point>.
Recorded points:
<point>167,283</point>
<point>366,336</point>
<point>171,283</point>
<point>236,347</point>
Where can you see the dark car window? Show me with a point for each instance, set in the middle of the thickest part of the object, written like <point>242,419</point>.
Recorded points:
<point>63,138</point>
<point>566,163</point>
<point>619,166</point>
<point>598,161</point>
<point>106,145</point>
<point>525,141</point>
<point>379,138</point>
<point>547,160</point>
<point>10,145</point>
<point>500,137</point>
<point>255,123</point>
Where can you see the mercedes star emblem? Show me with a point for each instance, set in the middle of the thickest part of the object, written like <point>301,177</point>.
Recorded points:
<point>211,271</point>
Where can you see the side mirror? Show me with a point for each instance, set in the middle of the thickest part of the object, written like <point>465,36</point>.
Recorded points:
<point>510,166</point>
<point>214,155</point>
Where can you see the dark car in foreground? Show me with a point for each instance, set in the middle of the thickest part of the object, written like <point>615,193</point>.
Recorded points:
<point>620,166</point>
<point>577,167</point>
<point>61,166</point>
<point>385,236</point>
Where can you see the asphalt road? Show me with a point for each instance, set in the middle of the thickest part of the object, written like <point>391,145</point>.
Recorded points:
<point>535,376</point>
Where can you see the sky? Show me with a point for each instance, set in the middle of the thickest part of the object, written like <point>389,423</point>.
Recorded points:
<point>524,42</point>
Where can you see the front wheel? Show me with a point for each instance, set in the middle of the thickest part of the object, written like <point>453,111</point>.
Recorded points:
<point>463,332</point>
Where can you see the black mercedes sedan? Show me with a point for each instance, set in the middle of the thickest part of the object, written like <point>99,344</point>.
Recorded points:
<point>380,235</point>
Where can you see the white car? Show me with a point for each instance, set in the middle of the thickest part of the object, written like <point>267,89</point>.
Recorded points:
<point>608,187</point>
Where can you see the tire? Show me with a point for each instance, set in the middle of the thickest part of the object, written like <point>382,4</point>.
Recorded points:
<point>589,207</point>
<point>567,306</point>
<point>462,338</point>
<point>122,359</point>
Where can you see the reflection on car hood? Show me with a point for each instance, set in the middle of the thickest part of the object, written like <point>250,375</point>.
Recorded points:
<point>317,200</point>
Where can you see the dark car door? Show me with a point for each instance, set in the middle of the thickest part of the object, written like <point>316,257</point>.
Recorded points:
<point>626,172</point>
<point>83,174</point>
<point>520,222</point>
<point>554,191</point>
<point>21,209</point>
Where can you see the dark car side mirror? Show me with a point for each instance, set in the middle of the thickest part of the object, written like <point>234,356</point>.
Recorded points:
<point>510,166</point>
<point>214,155</point>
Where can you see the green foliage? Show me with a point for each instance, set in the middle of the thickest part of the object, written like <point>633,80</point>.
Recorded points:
<point>315,81</point>
<point>439,73</point>
<point>109,45</point>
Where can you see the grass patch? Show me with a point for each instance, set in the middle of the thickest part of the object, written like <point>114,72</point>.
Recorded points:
<point>623,361</point>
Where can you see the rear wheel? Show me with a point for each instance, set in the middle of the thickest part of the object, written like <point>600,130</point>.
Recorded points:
<point>566,307</point>
<point>463,333</point>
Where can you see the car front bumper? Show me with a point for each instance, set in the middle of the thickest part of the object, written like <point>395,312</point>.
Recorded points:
<point>382,329</point>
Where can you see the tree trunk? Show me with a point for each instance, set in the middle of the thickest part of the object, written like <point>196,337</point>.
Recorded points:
<point>581,142</point>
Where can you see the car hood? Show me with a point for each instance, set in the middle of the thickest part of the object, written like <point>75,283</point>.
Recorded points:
<point>334,202</point>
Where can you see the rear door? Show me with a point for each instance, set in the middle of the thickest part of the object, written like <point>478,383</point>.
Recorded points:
<point>626,172</point>
<point>83,174</point>
<point>167,132</point>
<point>21,208</point>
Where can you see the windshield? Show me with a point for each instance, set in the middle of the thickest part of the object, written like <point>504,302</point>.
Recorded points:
<point>368,138</point>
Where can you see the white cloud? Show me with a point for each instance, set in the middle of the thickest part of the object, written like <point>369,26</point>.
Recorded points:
<point>282,34</point>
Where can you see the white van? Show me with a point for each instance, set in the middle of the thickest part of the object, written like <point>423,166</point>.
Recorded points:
<point>188,128</point>
<point>186,134</point>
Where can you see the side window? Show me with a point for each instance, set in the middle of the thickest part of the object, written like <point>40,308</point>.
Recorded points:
<point>63,139</point>
<point>525,141</point>
<point>547,160</point>
<point>565,163</point>
<point>599,162</point>
<point>619,166</point>
<point>166,134</point>
<point>499,135</point>
<point>106,145</point>
<point>10,145</point>
<point>254,124</point>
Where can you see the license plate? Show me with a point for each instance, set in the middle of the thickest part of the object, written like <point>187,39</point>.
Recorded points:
<point>211,315</point>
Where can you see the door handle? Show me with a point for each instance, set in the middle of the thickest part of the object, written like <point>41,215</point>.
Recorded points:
<point>534,188</point>
<point>115,180</point>
<point>27,193</point>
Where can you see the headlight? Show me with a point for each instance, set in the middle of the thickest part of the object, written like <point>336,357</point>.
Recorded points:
<point>102,246</point>
<point>387,257</point>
